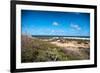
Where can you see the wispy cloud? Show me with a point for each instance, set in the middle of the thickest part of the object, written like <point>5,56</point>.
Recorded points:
<point>57,32</point>
<point>52,31</point>
<point>75,26</point>
<point>55,23</point>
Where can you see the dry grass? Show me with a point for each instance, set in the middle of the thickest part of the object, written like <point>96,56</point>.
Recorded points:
<point>37,50</point>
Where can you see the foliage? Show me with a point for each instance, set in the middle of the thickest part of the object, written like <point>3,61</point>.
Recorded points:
<point>37,50</point>
<point>40,51</point>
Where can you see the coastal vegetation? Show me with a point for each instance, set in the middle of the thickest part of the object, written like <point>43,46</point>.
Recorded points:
<point>41,50</point>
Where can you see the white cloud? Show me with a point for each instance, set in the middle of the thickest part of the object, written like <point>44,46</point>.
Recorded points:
<point>52,31</point>
<point>75,26</point>
<point>57,31</point>
<point>55,23</point>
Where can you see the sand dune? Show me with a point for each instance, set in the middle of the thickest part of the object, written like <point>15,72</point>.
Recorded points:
<point>71,44</point>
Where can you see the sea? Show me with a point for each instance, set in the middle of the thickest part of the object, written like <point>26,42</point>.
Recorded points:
<point>64,37</point>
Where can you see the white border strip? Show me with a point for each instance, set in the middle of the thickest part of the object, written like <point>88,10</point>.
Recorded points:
<point>20,65</point>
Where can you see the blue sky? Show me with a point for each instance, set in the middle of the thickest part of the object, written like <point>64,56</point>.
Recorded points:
<point>55,23</point>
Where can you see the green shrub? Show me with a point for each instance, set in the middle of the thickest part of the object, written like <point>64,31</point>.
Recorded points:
<point>40,51</point>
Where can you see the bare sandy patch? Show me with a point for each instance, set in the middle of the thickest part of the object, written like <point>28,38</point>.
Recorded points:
<point>71,44</point>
